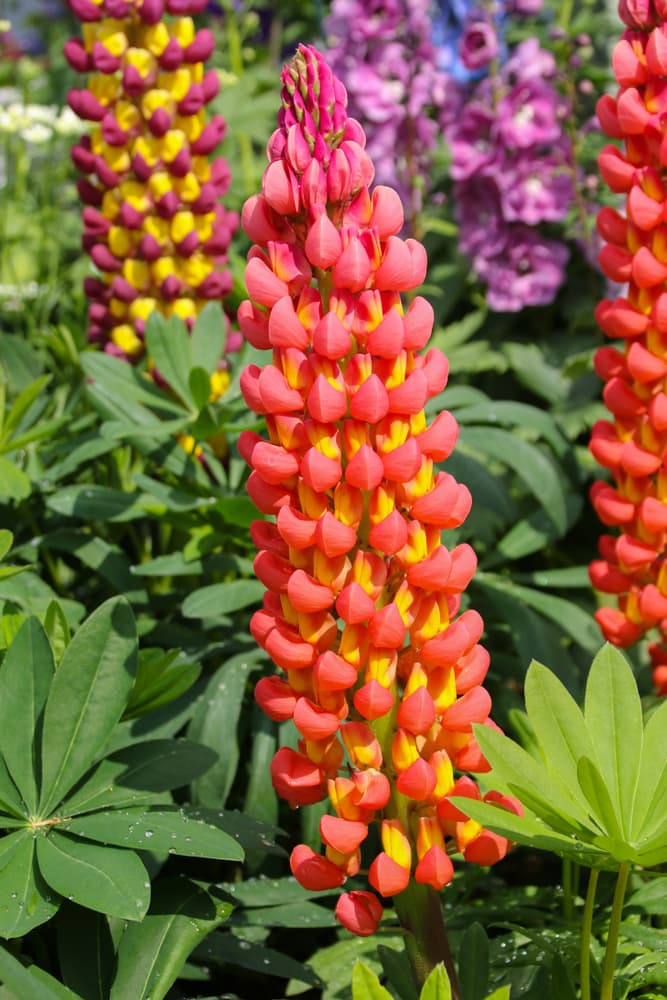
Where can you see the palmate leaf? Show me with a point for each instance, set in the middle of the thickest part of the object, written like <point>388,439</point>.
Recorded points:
<point>26,901</point>
<point>228,949</point>
<point>31,983</point>
<point>87,697</point>
<point>161,677</point>
<point>614,720</point>
<point>152,953</point>
<point>168,344</point>
<point>85,951</point>
<point>25,677</point>
<point>106,879</point>
<point>207,339</point>
<point>651,796</point>
<point>155,828</point>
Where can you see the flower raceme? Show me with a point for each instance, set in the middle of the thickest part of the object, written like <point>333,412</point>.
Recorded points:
<point>378,670</point>
<point>153,223</point>
<point>632,445</point>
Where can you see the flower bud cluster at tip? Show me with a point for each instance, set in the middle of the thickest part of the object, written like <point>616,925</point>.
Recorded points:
<point>379,671</point>
<point>153,222</point>
<point>633,444</point>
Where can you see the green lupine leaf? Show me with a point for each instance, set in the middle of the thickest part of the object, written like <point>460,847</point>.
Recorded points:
<point>158,829</point>
<point>228,949</point>
<point>87,697</point>
<point>473,964</point>
<point>528,461</point>
<point>31,983</point>
<point>14,483</point>
<point>207,339</point>
<point>57,629</point>
<point>219,599</point>
<point>651,797</point>
<point>168,344</point>
<point>556,717</point>
<point>106,879</point>
<point>530,781</point>
<point>511,413</point>
<point>22,404</point>
<point>96,503</point>
<point>6,541</point>
<point>10,799</point>
<point>614,720</point>
<point>366,985</point>
<point>597,792</point>
<point>152,953</point>
<point>437,986</point>
<point>25,678</point>
<point>113,379</point>
<point>25,900</point>
<point>161,677</point>
<point>85,951</point>
<point>140,772</point>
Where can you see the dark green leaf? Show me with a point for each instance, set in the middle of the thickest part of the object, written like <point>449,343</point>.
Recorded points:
<point>96,503</point>
<point>473,964</point>
<point>22,404</point>
<point>106,879</point>
<point>151,954</point>
<point>214,724</point>
<point>125,392</point>
<point>25,900</point>
<point>510,413</point>
<point>85,951</point>
<point>31,983</point>
<point>260,798</point>
<point>227,949</point>
<point>10,800</point>
<point>97,554</point>
<point>303,914</point>
<point>261,893</point>
<point>161,677</point>
<point>88,694</point>
<point>222,598</point>
<point>158,829</point>
<point>199,384</point>
<point>531,465</point>
<point>138,772</point>
<point>25,677</point>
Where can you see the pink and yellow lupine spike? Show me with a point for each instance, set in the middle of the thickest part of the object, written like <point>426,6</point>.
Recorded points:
<point>633,444</point>
<point>361,613</point>
<point>153,222</point>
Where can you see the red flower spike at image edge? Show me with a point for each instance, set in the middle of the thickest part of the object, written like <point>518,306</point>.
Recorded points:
<point>381,675</point>
<point>153,223</point>
<point>633,444</point>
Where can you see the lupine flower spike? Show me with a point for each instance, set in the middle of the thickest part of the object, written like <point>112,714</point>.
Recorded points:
<point>632,445</point>
<point>153,222</point>
<point>380,673</point>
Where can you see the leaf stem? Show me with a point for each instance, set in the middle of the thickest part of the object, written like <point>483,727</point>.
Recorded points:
<point>609,965</point>
<point>586,925</point>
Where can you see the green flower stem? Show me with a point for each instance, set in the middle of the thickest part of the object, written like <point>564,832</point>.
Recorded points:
<point>426,942</point>
<point>609,965</point>
<point>586,925</point>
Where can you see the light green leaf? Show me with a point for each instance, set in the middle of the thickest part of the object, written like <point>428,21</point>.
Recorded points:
<point>25,900</point>
<point>25,677</point>
<point>614,720</point>
<point>528,461</point>
<point>219,599</point>
<point>22,404</point>
<point>510,413</point>
<point>158,829</point>
<point>87,697</point>
<point>57,629</point>
<point>6,541</point>
<point>14,484</point>
<point>651,797</point>
<point>199,384</point>
<point>597,792</point>
<point>31,983</point>
<point>113,381</point>
<point>556,717</point>
<point>437,986</point>
<point>168,344</point>
<point>151,954</point>
<point>106,879</point>
<point>366,985</point>
<point>207,339</point>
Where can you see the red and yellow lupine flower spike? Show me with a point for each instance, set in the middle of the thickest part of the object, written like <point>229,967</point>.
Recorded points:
<point>632,445</point>
<point>154,225</point>
<point>378,669</point>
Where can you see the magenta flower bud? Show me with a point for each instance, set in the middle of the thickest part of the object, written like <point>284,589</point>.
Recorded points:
<point>201,49</point>
<point>140,167</point>
<point>636,13</point>
<point>103,60</point>
<point>112,133</point>
<point>85,10</point>
<point>83,159</point>
<point>167,205</point>
<point>193,100</point>
<point>133,81</point>
<point>123,290</point>
<point>207,199</point>
<point>215,285</point>
<point>88,192</point>
<point>149,248</point>
<point>85,105</point>
<point>210,85</point>
<point>180,7</point>
<point>211,136</point>
<point>172,56</point>
<point>159,122</point>
<point>298,150</point>
<point>76,55</point>
<point>107,176</point>
<point>171,287</point>
<point>94,222</point>
<point>130,217</point>
<point>150,11</point>
<point>188,244</point>
<point>104,259</point>
<point>117,9</point>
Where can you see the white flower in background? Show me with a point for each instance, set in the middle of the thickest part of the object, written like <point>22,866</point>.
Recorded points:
<point>67,123</point>
<point>36,134</point>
